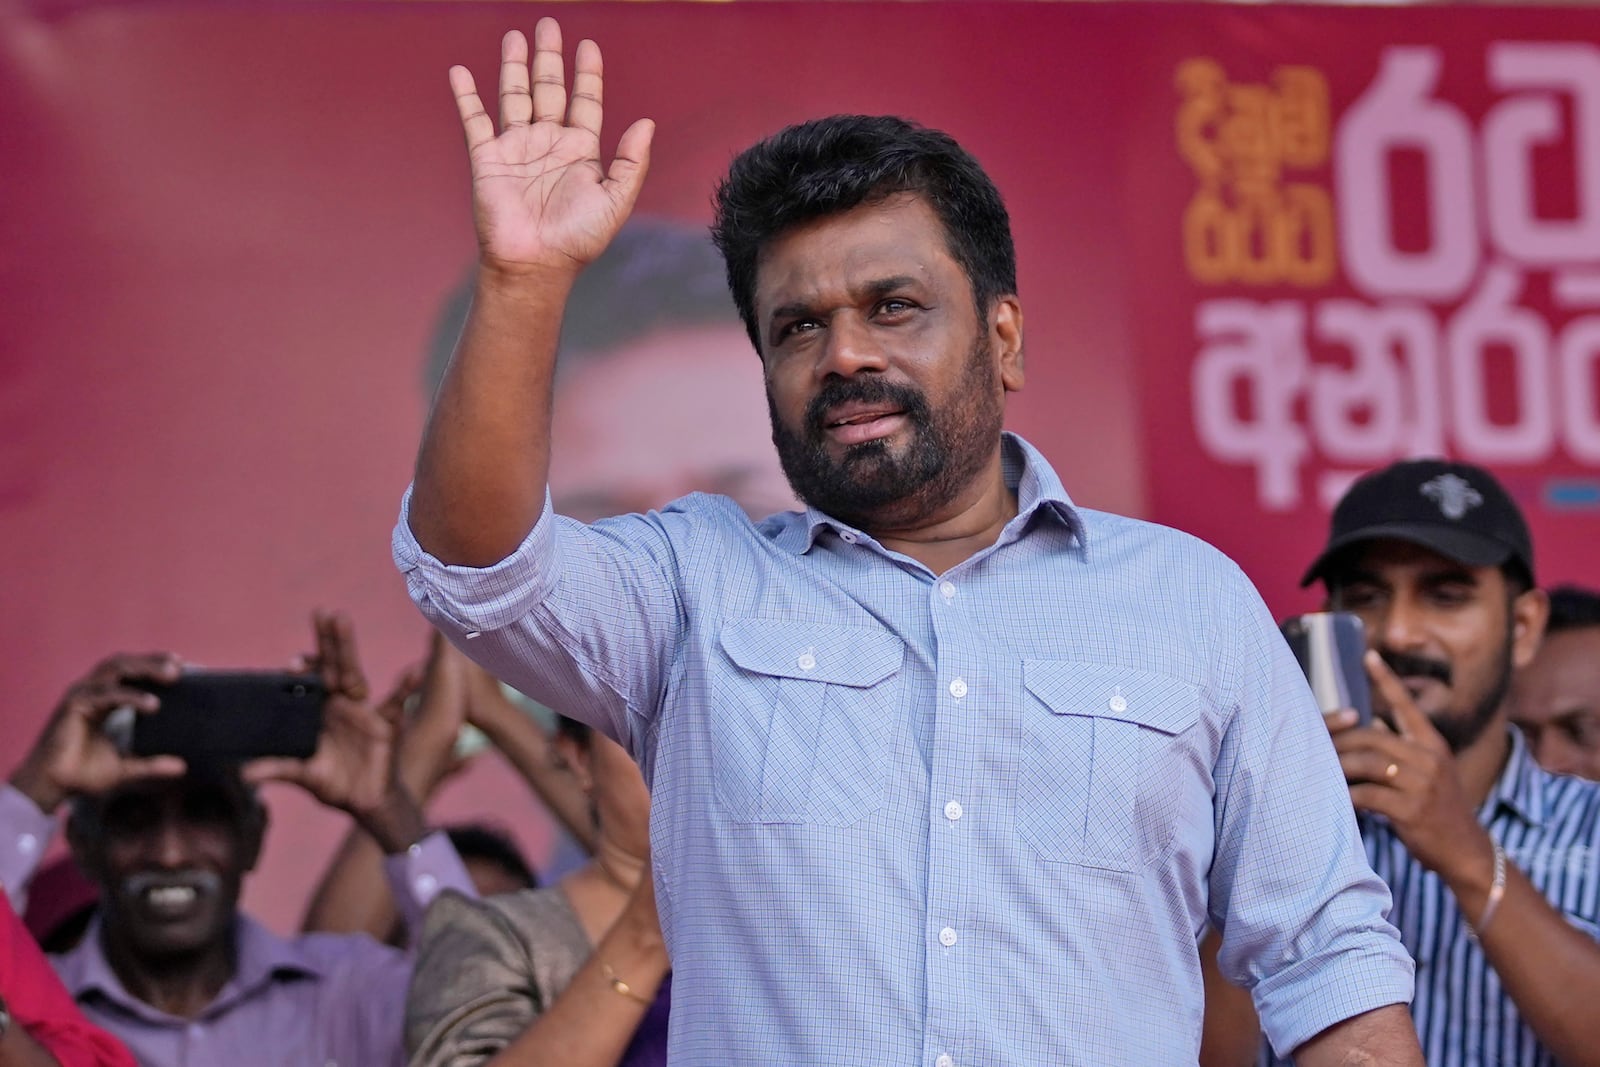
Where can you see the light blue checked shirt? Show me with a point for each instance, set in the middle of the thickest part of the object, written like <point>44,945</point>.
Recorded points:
<point>972,818</point>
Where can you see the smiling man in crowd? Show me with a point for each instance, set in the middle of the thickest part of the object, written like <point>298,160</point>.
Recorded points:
<point>170,966</point>
<point>945,769</point>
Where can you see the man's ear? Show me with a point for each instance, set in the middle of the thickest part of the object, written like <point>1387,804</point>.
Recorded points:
<point>1007,332</point>
<point>1530,611</point>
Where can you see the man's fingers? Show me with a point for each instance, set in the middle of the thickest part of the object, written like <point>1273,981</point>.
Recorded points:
<point>625,177</point>
<point>154,767</point>
<point>273,769</point>
<point>475,121</point>
<point>1409,720</point>
<point>163,667</point>
<point>336,655</point>
<point>1340,720</point>
<point>588,95</point>
<point>1378,799</point>
<point>549,73</point>
<point>516,105</point>
<point>1371,765</point>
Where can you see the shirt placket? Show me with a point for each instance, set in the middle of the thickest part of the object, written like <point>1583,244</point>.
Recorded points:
<point>955,813</point>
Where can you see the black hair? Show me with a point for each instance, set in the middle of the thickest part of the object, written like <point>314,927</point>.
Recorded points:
<point>829,166</point>
<point>655,275</point>
<point>1573,607</point>
<point>482,842</point>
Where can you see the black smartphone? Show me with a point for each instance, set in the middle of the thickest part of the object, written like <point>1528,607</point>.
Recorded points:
<point>1329,646</point>
<point>224,716</point>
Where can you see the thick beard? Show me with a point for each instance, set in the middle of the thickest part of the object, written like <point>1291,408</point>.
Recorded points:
<point>1461,731</point>
<point>870,486</point>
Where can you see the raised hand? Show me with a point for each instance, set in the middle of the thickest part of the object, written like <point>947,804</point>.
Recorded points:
<point>1408,775</point>
<point>541,198</point>
<point>355,765</point>
<point>74,755</point>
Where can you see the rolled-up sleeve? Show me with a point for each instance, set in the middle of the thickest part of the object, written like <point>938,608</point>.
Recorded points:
<point>583,618</point>
<point>1303,916</point>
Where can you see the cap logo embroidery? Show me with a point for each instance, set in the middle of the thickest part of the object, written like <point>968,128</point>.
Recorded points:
<point>1453,493</point>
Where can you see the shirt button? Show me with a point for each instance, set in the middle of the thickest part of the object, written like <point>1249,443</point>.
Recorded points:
<point>425,885</point>
<point>847,537</point>
<point>952,811</point>
<point>27,844</point>
<point>196,1031</point>
<point>944,1061</point>
<point>947,937</point>
<point>947,590</point>
<point>1119,703</point>
<point>806,661</point>
<point>958,688</point>
<point>473,633</point>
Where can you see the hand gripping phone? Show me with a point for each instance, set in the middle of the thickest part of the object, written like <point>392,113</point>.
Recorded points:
<point>226,716</point>
<point>1330,646</point>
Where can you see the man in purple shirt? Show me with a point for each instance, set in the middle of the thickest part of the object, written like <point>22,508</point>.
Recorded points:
<point>170,965</point>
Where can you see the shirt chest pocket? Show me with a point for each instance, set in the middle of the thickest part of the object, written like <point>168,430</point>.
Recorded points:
<point>1103,762</point>
<point>804,721</point>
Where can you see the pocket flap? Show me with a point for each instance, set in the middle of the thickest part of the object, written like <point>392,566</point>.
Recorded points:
<point>1106,691</point>
<point>816,652</point>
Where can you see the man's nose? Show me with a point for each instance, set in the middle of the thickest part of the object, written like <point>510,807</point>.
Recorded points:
<point>1401,626</point>
<point>851,348</point>
<point>169,846</point>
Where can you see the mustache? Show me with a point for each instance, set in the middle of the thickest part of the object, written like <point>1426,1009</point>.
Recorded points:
<point>1405,664</point>
<point>141,882</point>
<point>864,389</point>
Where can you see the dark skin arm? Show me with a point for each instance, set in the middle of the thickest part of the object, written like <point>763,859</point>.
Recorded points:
<point>354,895</point>
<point>1549,968</point>
<point>544,207</point>
<point>530,750</point>
<point>590,1023</point>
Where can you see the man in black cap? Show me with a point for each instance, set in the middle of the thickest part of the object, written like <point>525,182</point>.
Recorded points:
<point>1494,863</point>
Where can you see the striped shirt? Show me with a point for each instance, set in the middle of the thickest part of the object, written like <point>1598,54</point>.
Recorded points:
<point>1549,826</point>
<point>977,818</point>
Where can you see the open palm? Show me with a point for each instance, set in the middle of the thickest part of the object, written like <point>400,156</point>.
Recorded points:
<point>541,199</point>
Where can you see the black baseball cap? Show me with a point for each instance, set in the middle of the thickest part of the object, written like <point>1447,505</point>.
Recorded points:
<point>1455,509</point>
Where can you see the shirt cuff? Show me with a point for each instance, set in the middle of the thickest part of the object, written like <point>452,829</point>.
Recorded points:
<point>421,873</point>
<point>1326,989</point>
<point>472,599</point>
<point>25,833</point>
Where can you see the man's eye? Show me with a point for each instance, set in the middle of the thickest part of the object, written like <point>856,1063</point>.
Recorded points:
<point>1355,598</point>
<point>895,307</point>
<point>798,326</point>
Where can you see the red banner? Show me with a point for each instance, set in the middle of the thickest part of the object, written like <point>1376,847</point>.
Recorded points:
<point>1361,236</point>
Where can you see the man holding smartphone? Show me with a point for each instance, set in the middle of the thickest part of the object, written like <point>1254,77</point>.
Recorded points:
<point>170,966</point>
<point>1494,863</point>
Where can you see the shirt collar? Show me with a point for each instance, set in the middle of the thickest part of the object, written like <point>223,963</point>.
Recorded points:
<point>1520,787</point>
<point>264,957</point>
<point>1026,472</point>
